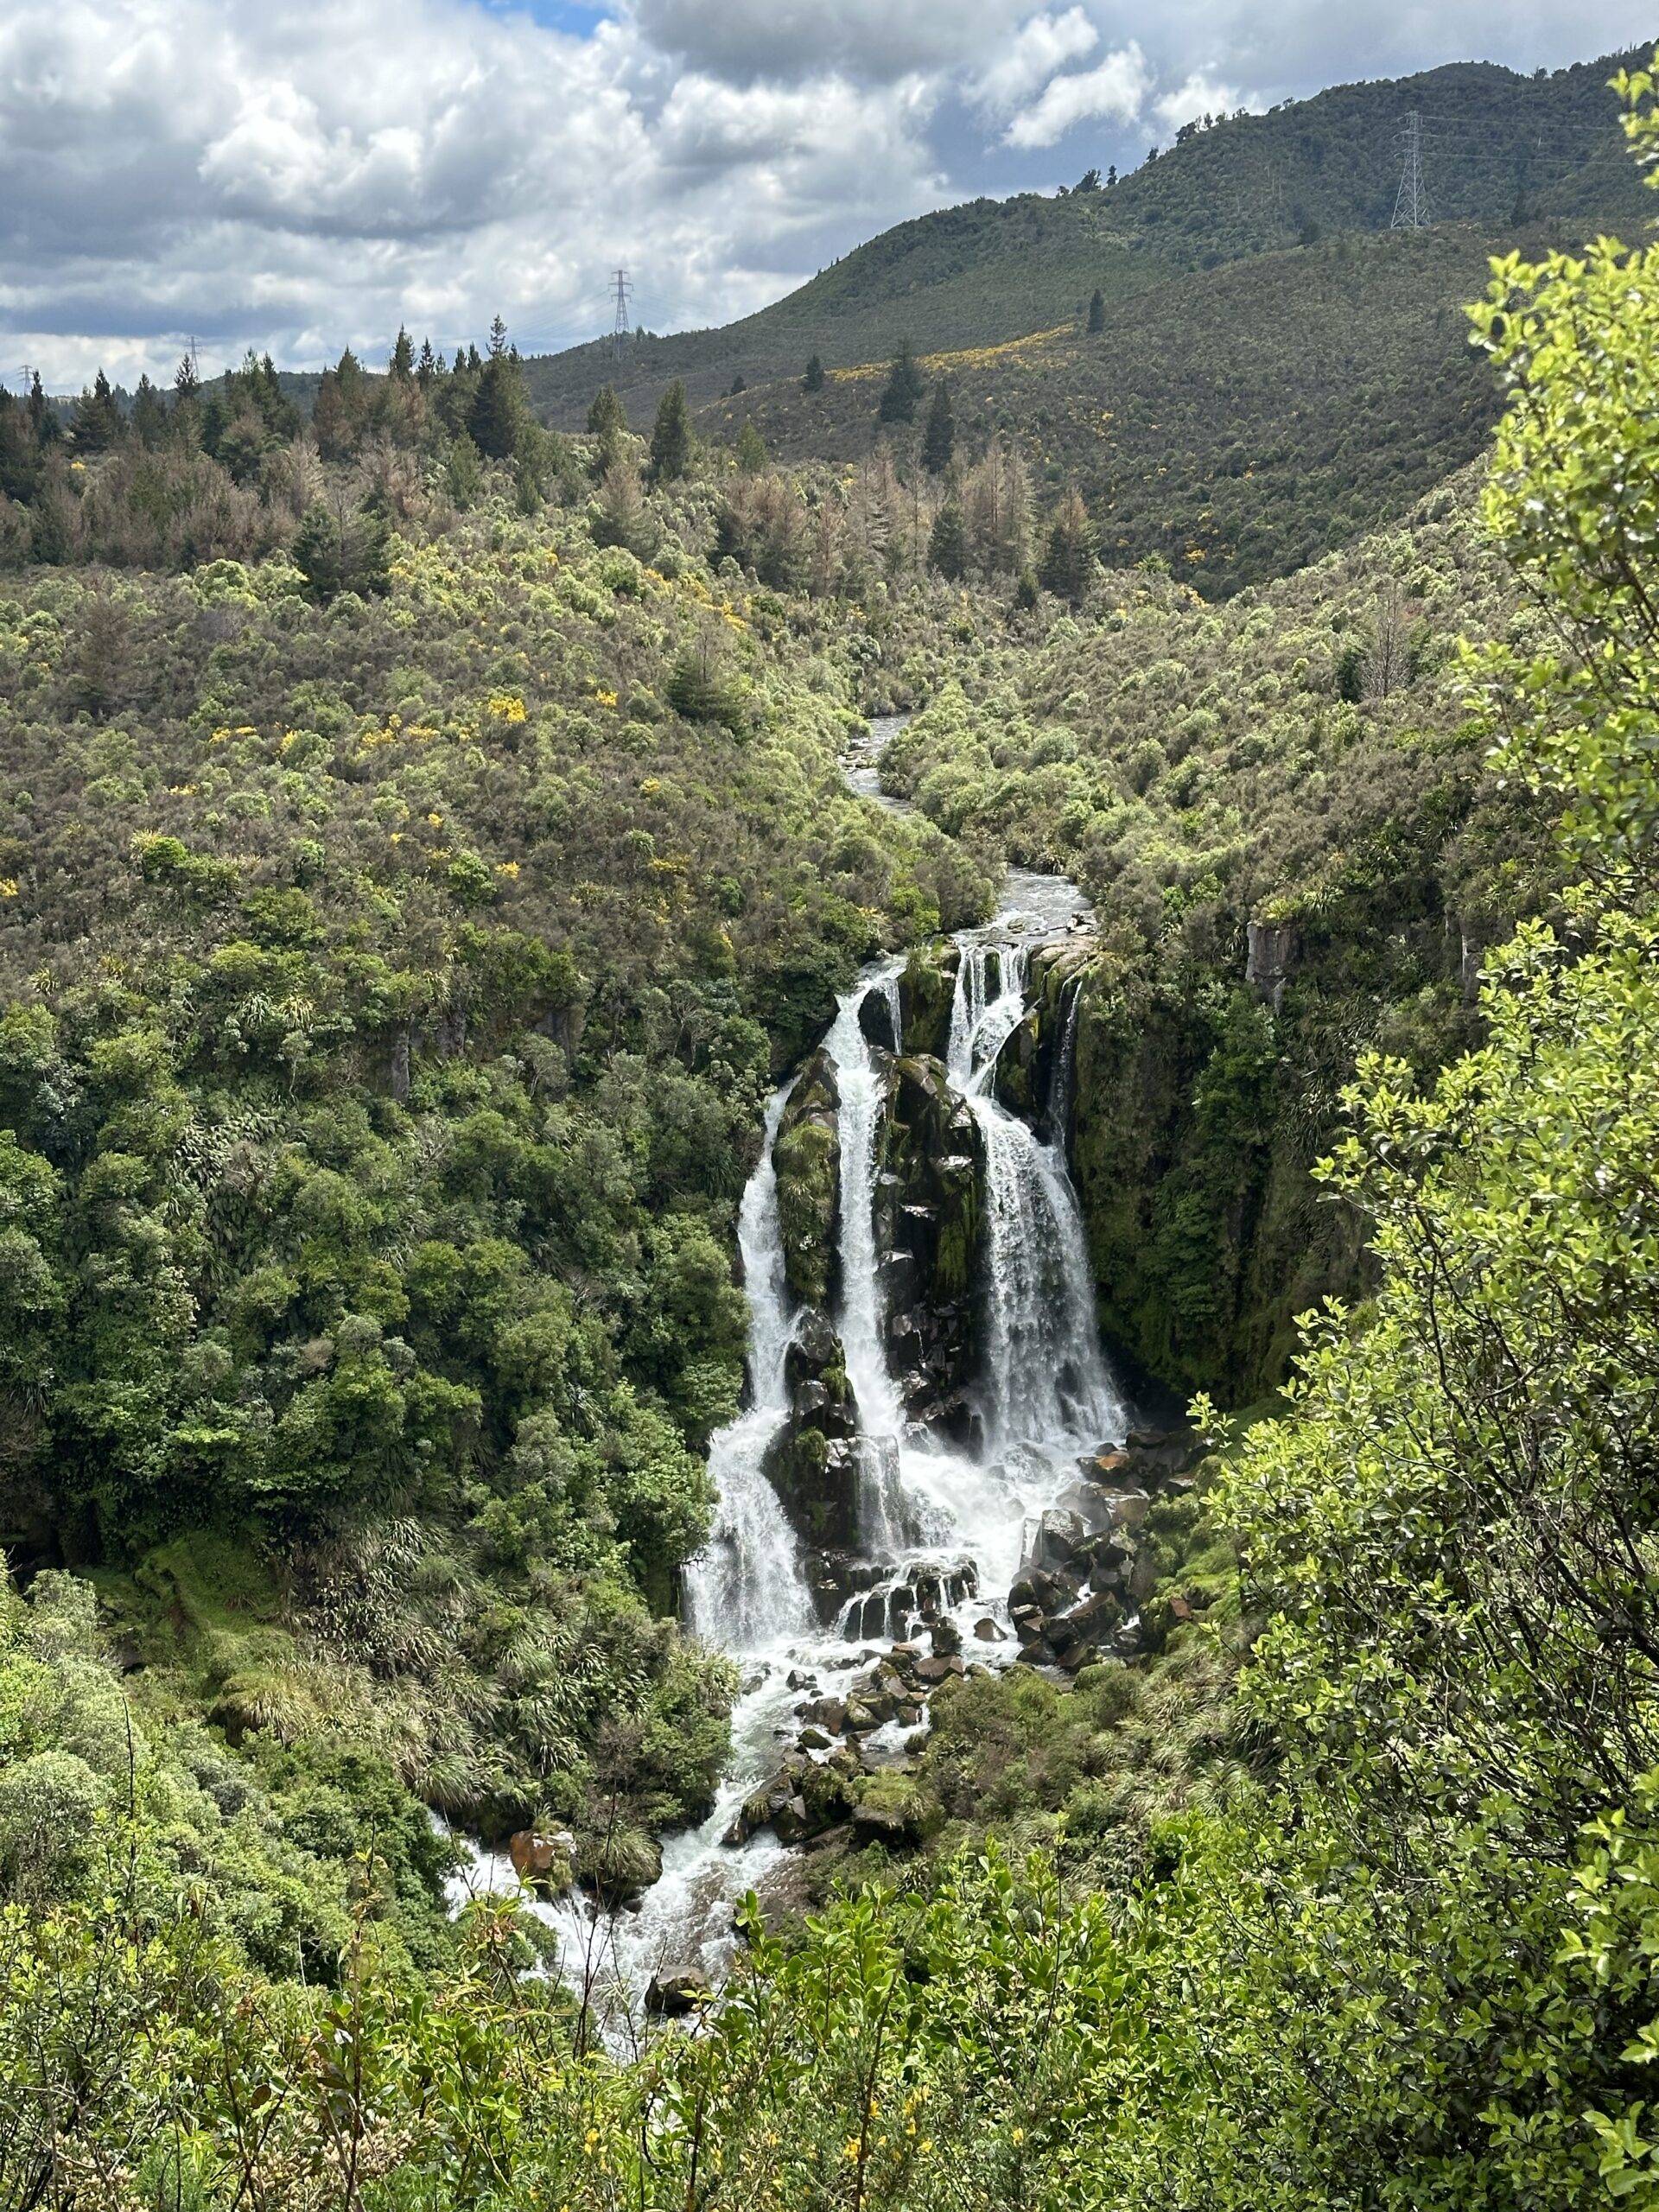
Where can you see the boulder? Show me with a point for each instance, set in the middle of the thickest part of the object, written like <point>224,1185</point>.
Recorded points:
<point>1060,1536</point>
<point>987,1631</point>
<point>671,1996</point>
<point>544,1858</point>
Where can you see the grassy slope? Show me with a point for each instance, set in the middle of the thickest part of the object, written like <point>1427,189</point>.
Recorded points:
<point>1241,421</point>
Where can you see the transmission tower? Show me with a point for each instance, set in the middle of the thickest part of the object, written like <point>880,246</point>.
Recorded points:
<point>622,321</point>
<point>1411,203</point>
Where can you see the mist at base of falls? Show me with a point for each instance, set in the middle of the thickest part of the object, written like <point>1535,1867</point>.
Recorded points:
<point>953,1520</point>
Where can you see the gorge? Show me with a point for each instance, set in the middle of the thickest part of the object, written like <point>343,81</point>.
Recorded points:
<point>925,1461</point>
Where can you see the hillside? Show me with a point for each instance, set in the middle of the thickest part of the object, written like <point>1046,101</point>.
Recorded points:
<point>1239,422</point>
<point>1502,146</point>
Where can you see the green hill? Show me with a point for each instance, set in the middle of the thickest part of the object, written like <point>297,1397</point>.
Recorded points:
<point>1499,146</point>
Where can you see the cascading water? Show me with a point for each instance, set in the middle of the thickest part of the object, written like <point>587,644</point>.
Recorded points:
<point>1045,1382</point>
<point>931,1518</point>
<point>747,1591</point>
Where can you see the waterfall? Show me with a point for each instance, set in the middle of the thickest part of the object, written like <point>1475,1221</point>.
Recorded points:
<point>746,1590</point>
<point>861,1321</point>
<point>1045,1382</point>
<point>940,1529</point>
<point>1065,1064</point>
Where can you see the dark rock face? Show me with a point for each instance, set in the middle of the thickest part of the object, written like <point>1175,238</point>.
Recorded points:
<point>671,1996</point>
<point>927,990</point>
<point>813,1464</point>
<point>928,1225</point>
<point>807,1156</point>
<point>875,1019</point>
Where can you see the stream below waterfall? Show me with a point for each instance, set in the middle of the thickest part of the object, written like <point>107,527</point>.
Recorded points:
<point>955,1519</point>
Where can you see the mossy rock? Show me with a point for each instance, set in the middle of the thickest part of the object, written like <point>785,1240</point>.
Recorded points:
<point>807,1157</point>
<point>927,991</point>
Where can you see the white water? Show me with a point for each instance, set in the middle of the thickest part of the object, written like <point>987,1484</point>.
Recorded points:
<point>926,1509</point>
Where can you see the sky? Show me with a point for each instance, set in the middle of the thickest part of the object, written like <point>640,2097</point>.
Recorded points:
<point>299,176</point>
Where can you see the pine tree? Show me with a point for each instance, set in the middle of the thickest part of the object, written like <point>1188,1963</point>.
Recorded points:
<point>1097,313</point>
<point>402,364</point>
<point>938,441</point>
<point>751,449</point>
<point>608,419</point>
<point>813,380</point>
<point>670,435</point>
<point>463,472</point>
<point>905,386</point>
<point>498,405</point>
<point>149,414</point>
<point>426,367</point>
<point>97,425</point>
<point>186,384</point>
<point>947,543</point>
<point>1068,560</point>
<point>498,338</point>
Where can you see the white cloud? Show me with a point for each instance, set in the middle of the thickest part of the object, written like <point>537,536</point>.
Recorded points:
<point>1040,48</point>
<point>303,175</point>
<point>1199,95</point>
<point>1117,86</point>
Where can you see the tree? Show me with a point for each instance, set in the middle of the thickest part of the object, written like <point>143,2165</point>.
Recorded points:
<point>1068,560</point>
<point>906,384</point>
<point>186,384</point>
<point>464,473</point>
<point>670,435</point>
<point>938,440</point>
<point>607,421</point>
<point>149,414</point>
<point>497,407</point>
<point>813,380</point>
<point>1089,181</point>
<point>97,425</point>
<point>498,338</point>
<point>402,364</point>
<point>947,543</point>
<point>1096,312</point>
<point>750,448</point>
<point>340,548</point>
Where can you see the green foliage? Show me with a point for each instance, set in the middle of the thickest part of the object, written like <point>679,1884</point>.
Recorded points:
<point>902,393</point>
<point>670,436</point>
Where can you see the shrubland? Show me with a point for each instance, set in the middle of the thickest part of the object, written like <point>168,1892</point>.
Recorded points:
<point>1348,1900</point>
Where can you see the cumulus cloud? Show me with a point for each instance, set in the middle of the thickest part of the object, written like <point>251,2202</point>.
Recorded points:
<point>1199,95</point>
<point>1117,86</point>
<point>1036,51</point>
<point>303,175</point>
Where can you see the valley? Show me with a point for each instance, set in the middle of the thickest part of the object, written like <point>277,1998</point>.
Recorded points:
<point>828,1285</point>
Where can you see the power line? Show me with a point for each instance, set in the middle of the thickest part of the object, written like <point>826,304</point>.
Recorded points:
<point>622,321</point>
<point>1411,202</point>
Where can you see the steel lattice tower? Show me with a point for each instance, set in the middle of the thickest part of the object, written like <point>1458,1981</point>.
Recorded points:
<point>1411,203</point>
<point>621,321</point>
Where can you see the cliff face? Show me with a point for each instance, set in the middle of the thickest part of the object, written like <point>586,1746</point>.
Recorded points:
<point>1197,1107</point>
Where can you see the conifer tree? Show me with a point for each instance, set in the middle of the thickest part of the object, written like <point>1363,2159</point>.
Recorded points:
<point>813,380</point>
<point>402,364</point>
<point>97,425</point>
<point>947,543</point>
<point>750,448</point>
<point>426,367</point>
<point>498,405</point>
<point>904,389</point>
<point>1068,557</point>
<point>940,439</point>
<point>608,419</point>
<point>149,414</point>
<point>186,384</point>
<point>670,435</point>
<point>1097,313</point>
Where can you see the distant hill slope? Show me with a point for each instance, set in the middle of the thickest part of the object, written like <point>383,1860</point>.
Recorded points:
<point>1502,147</point>
<point>1241,421</point>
